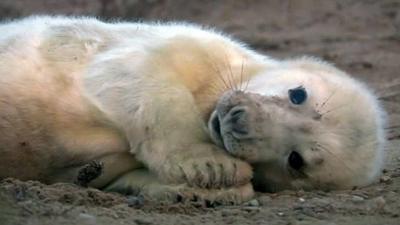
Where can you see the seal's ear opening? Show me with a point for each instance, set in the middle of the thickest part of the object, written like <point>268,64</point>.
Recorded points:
<point>214,128</point>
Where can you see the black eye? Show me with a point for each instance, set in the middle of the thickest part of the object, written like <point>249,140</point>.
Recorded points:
<point>295,160</point>
<point>298,95</point>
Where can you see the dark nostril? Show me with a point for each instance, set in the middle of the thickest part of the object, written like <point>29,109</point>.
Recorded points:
<point>237,120</point>
<point>216,125</point>
<point>236,114</point>
<point>240,130</point>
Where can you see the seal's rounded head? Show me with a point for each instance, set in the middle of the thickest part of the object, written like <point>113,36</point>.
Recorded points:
<point>303,124</point>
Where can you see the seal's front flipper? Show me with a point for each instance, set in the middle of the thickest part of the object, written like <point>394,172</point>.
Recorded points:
<point>142,182</point>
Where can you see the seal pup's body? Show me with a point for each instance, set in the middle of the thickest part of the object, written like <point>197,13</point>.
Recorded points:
<point>74,90</point>
<point>77,90</point>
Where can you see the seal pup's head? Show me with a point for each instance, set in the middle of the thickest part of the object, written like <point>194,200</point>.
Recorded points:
<point>302,125</point>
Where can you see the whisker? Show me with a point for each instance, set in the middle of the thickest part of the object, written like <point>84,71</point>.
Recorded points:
<point>247,83</point>
<point>222,79</point>
<point>241,75</point>
<point>327,99</point>
<point>230,74</point>
<point>339,159</point>
<point>333,109</point>
<point>219,73</point>
<point>248,78</point>
<point>215,87</point>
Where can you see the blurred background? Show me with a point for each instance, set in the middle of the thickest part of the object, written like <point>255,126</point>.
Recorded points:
<point>360,36</point>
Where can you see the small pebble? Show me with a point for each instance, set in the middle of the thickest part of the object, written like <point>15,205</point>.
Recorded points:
<point>90,219</point>
<point>300,193</point>
<point>230,212</point>
<point>264,200</point>
<point>251,209</point>
<point>321,193</point>
<point>302,200</point>
<point>357,199</point>
<point>253,202</point>
<point>379,202</point>
<point>385,179</point>
<point>281,214</point>
<point>86,216</point>
<point>321,201</point>
<point>135,201</point>
<point>141,221</point>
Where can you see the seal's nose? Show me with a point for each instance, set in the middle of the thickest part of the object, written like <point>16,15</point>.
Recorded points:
<point>237,118</point>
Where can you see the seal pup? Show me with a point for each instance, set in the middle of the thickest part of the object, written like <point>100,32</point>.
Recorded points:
<point>135,95</point>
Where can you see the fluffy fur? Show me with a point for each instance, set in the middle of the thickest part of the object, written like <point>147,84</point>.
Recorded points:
<point>73,90</point>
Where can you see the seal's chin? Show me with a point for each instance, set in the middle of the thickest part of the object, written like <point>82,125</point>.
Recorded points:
<point>214,127</point>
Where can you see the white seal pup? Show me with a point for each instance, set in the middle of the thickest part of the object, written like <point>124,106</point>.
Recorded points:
<point>133,95</point>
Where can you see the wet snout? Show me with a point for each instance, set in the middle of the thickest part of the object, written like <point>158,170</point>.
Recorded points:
<point>232,116</point>
<point>233,111</point>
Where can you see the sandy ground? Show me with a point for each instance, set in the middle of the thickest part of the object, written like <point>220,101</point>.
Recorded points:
<point>361,37</point>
